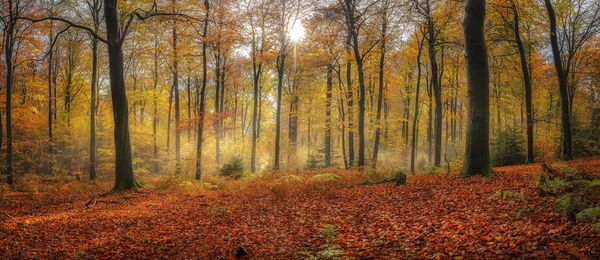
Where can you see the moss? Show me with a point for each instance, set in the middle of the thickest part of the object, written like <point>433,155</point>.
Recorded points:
<point>291,179</point>
<point>324,177</point>
<point>554,186</point>
<point>564,204</point>
<point>589,215</point>
<point>597,227</point>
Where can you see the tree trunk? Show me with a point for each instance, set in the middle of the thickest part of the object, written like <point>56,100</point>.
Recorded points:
<point>93,109</point>
<point>413,148</point>
<point>175,88</point>
<point>124,178</point>
<point>437,92</point>
<point>477,156</point>
<point>329,96</point>
<point>9,44</point>
<point>200,95</point>
<point>566,151</point>
<point>380,94</point>
<point>280,72</point>
<point>350,102</point>
<point>527,82</point>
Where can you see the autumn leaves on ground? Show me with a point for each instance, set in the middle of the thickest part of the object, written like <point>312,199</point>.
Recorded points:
<point>432,215</point>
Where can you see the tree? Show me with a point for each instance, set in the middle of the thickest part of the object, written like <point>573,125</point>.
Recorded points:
<point>94,7</point>
<point>353,18</point>
<point>477,155</point>
<point>175,88</point>
<point>526,82</point>
<point>381,79</point>
<point>413,146</point>
<point>201,93</point>
<point>258,46</point>
<point>287,16</point>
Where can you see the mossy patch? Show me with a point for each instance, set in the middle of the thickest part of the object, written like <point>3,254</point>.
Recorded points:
<point>590,215</point>
<point>554,186</point>
<point>324,177</point>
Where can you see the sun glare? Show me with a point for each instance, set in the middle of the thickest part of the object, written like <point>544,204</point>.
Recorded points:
<point>297,32</point>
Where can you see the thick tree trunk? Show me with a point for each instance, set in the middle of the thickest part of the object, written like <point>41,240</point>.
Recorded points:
<point>124,178</point>
<point>9,44</point>
<point>566,151</point>
<point>477,156</point>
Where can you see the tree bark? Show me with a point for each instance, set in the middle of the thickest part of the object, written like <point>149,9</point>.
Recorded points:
<point>329,96</point>
<point>201,94</point>
<point>527,85</point>
<point>566,150</point>
<point>381,80</point>
<point>413,148</point>
<point>124,178</point>
<point>176,94</point>
<point>477,157</point>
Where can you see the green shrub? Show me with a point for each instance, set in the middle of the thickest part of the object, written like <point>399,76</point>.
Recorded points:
<point>233,168</point>
<point>590,215</point>
<point>508,147</point>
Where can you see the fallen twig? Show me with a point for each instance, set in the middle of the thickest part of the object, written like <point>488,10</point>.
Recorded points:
<point>11,217</point>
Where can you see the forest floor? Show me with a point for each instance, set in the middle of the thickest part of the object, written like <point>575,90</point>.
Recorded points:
<point>430,216</point>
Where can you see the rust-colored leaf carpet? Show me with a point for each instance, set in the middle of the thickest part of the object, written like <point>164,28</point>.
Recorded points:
<point>431,216</point>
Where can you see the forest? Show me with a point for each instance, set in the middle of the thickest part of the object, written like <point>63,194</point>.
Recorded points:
<point>299,129</point>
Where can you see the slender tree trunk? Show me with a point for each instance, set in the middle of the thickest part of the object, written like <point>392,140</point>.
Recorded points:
<point>380,94</point>
<point>437,93</point>
<point>527,83</point>
<point>189,109</point>
<point>280,72</point>
<point>342,116</point>
<point>201,94</point>
<point>350,101</point>
<point>477,156</point>
<point>566,151</point>
<point>50,75</point>
<point>93,109</point>
<point>217,104</point>
<point>413,148</point>
<point>176,95</point>
<point>155,105</point>
<point>329,96</point>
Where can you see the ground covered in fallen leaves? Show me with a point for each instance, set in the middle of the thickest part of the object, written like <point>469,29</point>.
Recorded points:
<point>430,216</point>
